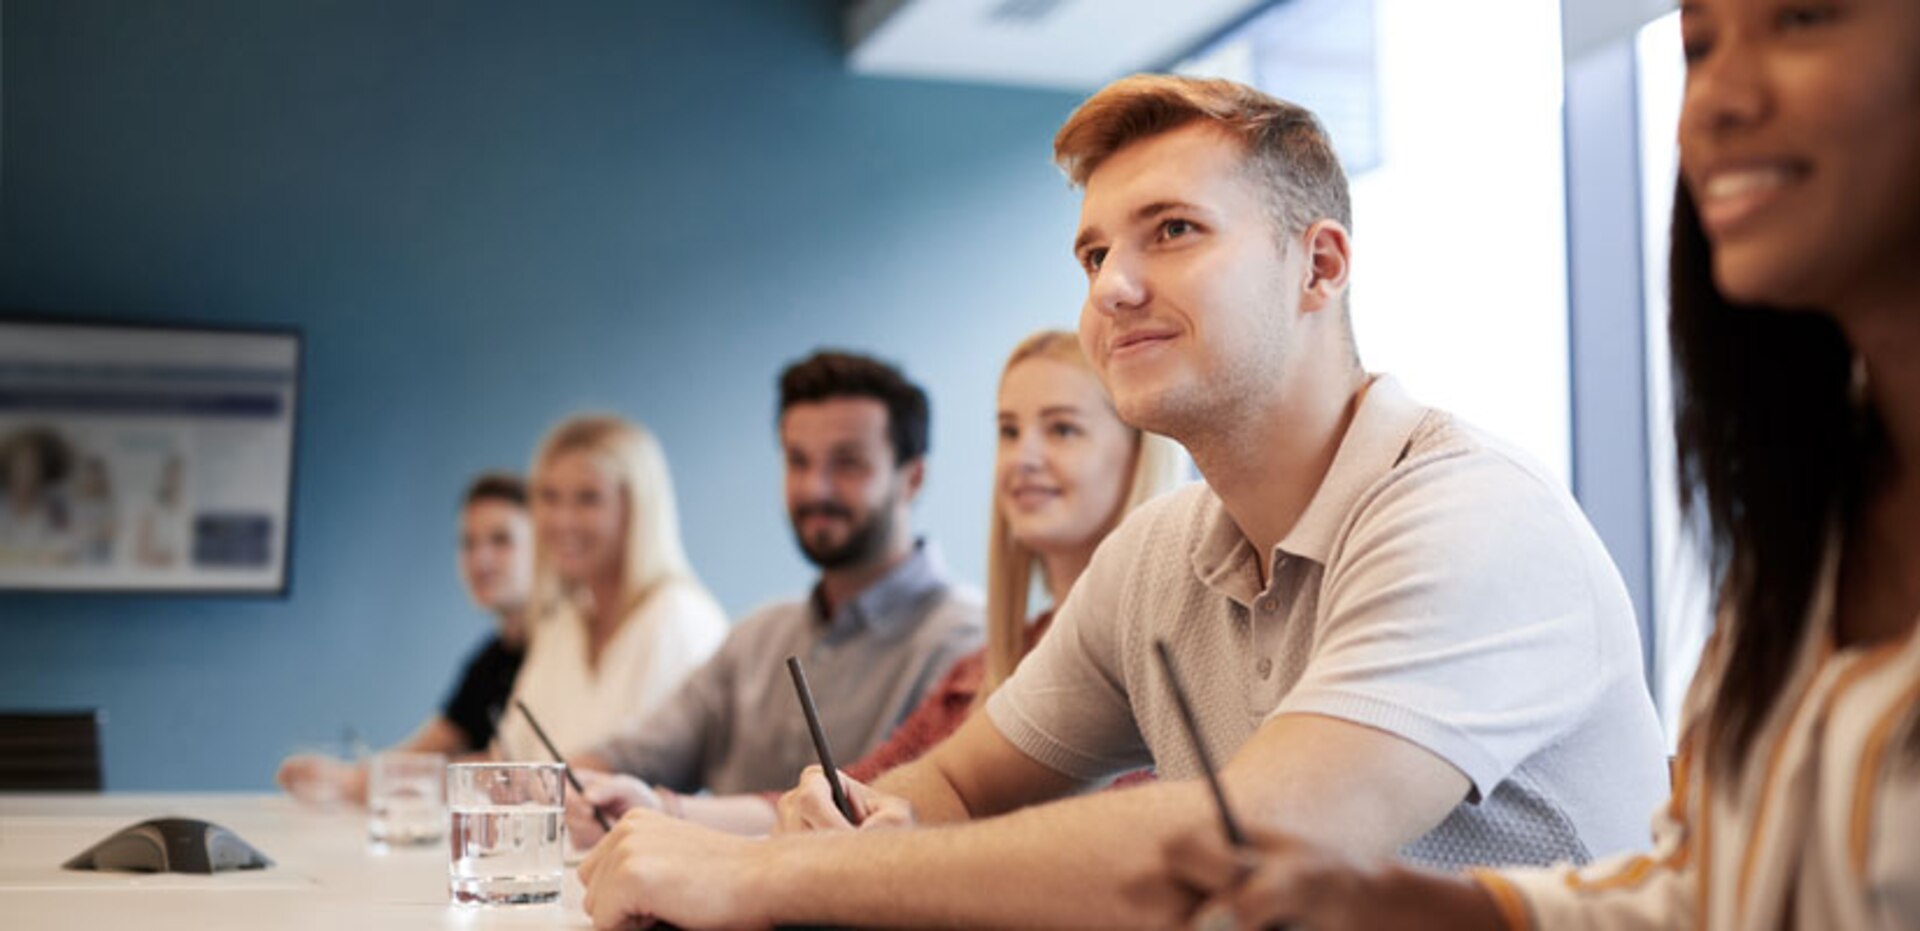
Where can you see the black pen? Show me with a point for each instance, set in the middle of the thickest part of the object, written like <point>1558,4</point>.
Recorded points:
<point>840,799</point>
<point>540,732</point>
<point>1227,822</point>
<point>1228,825</point>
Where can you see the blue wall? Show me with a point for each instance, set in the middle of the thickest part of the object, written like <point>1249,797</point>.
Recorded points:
<point>485,215</point>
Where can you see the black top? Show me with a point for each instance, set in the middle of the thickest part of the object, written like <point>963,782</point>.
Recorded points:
<point>483,691</point>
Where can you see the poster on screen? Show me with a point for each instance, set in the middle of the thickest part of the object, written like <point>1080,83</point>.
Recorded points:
<point>143,458</point>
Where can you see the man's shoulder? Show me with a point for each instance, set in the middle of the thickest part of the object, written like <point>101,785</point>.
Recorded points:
<point>1442,436</point>
<point>1449,460</point>
<point>776,613</point>
<point>1465,496</point>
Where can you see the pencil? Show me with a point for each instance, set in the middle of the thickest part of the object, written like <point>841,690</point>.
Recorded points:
<point>1227,821</point>
<point>573,780</point>
<point>840,799</point>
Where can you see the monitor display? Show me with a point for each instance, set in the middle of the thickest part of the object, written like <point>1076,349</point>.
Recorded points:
<point>146,457</point>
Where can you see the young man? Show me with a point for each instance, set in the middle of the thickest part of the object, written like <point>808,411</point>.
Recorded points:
<point>1399,634</point>
<point>879,628</point>
<point>496,563</point>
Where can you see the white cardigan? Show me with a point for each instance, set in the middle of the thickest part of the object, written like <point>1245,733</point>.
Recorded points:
<point>663,639</point>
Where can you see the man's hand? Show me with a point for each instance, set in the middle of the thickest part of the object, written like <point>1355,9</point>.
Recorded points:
<point>322,780</point>
<point>1281,881</point>
<point>809,806</point>
<point>653,867</point>
<point>614,795</point>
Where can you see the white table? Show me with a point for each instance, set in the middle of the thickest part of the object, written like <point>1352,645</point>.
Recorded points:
<point>324,874</point>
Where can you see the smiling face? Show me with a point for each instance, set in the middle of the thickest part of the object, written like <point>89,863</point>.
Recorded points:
<point>1063,459</point>
<point>1800,143</point>
<point>846,496</point>
<point>580,517</point>
<point>1192,296</point>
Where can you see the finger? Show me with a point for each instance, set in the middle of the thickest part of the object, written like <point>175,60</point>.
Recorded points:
<point>1274,894</point>
<point>1202,860</point>
<point>585,832</point>
<point>1214,916</point>
<point>812,803</point>
<point>888,814</point>
<point>590,867</point>
<point>827,817</point>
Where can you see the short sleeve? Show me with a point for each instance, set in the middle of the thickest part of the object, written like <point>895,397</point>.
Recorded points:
<point>1066,705</point>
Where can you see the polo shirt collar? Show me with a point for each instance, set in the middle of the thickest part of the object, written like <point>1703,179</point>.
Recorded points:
<point>887,603</point>
<point>1375,441</point>
<point>1224,560</point>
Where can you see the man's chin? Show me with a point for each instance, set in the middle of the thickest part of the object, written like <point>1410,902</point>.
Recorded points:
<point>1153,411</point>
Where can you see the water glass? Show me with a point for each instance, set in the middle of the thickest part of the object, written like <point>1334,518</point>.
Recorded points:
<point>406,799</point>
<point>508,832</point>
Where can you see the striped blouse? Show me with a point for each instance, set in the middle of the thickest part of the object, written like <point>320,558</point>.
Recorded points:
<point>1819,828</point>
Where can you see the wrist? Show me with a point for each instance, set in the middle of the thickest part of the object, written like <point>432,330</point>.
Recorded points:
<point>770,881</point>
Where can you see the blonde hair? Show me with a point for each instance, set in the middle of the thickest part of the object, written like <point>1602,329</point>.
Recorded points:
<point>1287,150</point>
<point>651,553</point>
<point>1013,568</point>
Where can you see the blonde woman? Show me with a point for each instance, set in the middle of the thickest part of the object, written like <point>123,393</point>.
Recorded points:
<point>620,618</point>
<point>1066,471</point>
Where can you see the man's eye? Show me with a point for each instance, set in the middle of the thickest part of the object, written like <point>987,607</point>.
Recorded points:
<point>1171,229</point>
<point>1009,432</point>
<point>1092,259</point>
<point>1064,429</point>
<point>1803,16</point>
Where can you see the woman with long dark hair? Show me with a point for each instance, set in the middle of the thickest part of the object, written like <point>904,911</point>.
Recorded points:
<point>1796,338</point>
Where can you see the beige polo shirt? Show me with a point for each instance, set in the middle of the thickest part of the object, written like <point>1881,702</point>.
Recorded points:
<point>1439,586</point>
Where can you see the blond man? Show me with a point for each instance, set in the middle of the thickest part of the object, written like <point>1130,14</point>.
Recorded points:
<point>1400,635</point>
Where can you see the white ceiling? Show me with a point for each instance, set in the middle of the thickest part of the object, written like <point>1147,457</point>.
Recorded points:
<point>1083,44</point>
<point>1065,44</point>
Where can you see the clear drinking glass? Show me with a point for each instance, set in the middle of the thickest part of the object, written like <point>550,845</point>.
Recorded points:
<point>508,832</point>
<point>406,799</point>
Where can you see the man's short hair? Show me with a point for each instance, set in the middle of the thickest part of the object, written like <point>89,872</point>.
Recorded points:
<point>496,486</point>
<point>829,374</point>
<point>1287,151</point>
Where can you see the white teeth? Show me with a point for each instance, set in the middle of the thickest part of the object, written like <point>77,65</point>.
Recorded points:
<point>1736,183</point>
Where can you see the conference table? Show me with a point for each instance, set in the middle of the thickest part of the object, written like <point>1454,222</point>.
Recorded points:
<point>324,874</point>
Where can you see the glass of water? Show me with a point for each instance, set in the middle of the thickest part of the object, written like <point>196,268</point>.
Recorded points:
<point>508,823</point>
<point>406,799</point>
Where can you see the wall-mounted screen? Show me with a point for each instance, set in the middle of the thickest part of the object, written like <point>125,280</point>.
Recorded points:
<point>146,457</point>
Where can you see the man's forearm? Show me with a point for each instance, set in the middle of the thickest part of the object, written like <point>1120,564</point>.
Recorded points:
<point>746,815</point>
<point>934,799</point>
<point>1105,847</point>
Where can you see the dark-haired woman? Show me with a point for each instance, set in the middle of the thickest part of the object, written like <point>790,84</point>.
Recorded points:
<point>1796,333</point>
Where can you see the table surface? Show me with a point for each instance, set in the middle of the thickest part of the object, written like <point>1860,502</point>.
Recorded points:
<point>325,874</point>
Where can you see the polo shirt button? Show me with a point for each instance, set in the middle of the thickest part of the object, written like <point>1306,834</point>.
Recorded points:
<point>1269,605</point>
<point>1264,667</point>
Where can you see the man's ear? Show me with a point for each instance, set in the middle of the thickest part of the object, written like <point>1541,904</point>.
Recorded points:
<point>1329,258</point>
<point>915,474</point>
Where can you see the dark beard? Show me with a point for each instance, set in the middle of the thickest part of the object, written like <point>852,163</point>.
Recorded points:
<point>861,546</point>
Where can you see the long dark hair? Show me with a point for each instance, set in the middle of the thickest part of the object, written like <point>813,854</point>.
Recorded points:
<point>1774,451</point>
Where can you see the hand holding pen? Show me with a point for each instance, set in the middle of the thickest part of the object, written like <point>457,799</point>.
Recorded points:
<point>1197,859</point>
<point>825,799</point>
<point>599,817</point>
